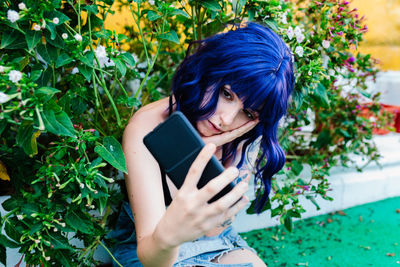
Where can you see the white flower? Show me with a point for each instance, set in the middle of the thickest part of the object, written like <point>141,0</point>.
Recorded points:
<point>81,185</point>
<point>55,229</point>
<point>92,207</point>
<point>111,180</point>
<point>43,24</point>
<point>64,35</point>
<point>37,241</point>
<point>1,69</point>
<point>300,38</point>
<point>78,37</point>
<point>100,52</point>
<point>75,70</point>
<point>326,44</point>
<point>12,15</point>
<point>62,224</point>
<point>20,217</point>
<point>47,258</point>
<point>21,6</point>
<point>297,30</point>
<point>290,33</point>
<point>15,76</point>
<point>309,73</point>
<point>151,2</point>
<point>56,20</point>
<point>36,27</point>
<point>331,72</point>
<point>299,51</point>
<point>284,18</point>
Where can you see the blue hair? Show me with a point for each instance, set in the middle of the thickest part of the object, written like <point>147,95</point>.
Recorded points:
<point>258,66</point>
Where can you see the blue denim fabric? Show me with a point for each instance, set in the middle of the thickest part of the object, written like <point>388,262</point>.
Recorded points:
<point>199,252</point>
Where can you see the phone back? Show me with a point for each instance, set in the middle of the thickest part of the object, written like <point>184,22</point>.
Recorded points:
<point>175,144</point>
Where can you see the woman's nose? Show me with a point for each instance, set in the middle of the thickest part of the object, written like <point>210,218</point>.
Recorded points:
<point>228,116</point>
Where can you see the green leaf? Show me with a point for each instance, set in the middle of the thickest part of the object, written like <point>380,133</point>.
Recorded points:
<point>34,75</point>
<point>3,125</point>
<point>32,39</point>
<point>87,59</point>
<point>120,65</point>
<point>92,9</point>
<point>111,151</point>
<point>76,220</point>
<point>324,138</point>
<point>170,36</point>
<point>11,230</point>
<point>63,59</point>
<point>58,123</point>
<point>312,199</point>
<point>44,79</point>
<point>12,203</point>
<point>45,93</point>
<point>102,204</point>
<point>54,13</point>
<point>152,16</point>
<point>4,241</point>
<point>128,58</point>
<point>58,42</point>
<point>48,53</point>
<point>12,40</point>
<point>52,29</point>
<point>213,5</point>
<point>297,167</point>
<point>3,255</point>
<point>59,242</point>
<point>86,71</point>
<point>320,93</point>
<point>179,12</point>
<point>30,208</point>
<point>288,223</point>
<point>64,259</point>
<point>26,138</point>
<point>36,228</point>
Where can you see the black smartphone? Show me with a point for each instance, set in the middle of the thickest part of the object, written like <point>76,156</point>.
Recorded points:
<point>175,144</point>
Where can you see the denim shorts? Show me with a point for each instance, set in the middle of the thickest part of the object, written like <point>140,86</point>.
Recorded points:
<point>198,252</point>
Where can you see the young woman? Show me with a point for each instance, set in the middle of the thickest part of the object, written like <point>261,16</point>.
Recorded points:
<point>234,89</point>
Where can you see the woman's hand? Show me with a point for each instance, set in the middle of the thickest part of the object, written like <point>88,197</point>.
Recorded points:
<point>190,216</point>
<point>229,136</point>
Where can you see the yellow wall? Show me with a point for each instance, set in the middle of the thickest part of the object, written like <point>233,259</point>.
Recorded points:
<point>382,39</point>
<point>383,36</point>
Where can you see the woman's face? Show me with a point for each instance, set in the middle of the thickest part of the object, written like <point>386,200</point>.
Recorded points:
<point>228,115</point>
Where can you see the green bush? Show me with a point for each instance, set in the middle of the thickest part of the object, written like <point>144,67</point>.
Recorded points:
<point>67,89</point>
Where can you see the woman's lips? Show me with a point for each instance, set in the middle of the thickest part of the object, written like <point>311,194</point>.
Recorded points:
<point>214,128</point>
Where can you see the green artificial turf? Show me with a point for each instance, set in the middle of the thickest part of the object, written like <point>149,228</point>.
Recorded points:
<point>366,235</point>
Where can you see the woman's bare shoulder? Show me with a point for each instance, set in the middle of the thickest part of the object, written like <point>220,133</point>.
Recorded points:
<point>148,117</point>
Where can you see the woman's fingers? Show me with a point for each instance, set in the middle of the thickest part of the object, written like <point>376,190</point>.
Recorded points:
<point>227,137</point>
<point>230,199</point>
<point>214,186</point>
<point>198,165</point>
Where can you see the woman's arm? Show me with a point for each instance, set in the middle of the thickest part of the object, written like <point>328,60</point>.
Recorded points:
<point>145,195</point>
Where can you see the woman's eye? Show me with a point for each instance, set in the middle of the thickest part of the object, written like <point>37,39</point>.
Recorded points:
<point>249,114</point>
<point>227,94</point>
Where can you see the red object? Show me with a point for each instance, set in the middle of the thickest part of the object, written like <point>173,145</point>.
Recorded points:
<point>395,110</point>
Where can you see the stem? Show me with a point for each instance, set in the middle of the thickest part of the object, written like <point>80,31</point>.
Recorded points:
<point>150,67</point>
<point>137,21</point>
<point>194,23</point>
<point>112,256</point>
<point>103,82</point>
